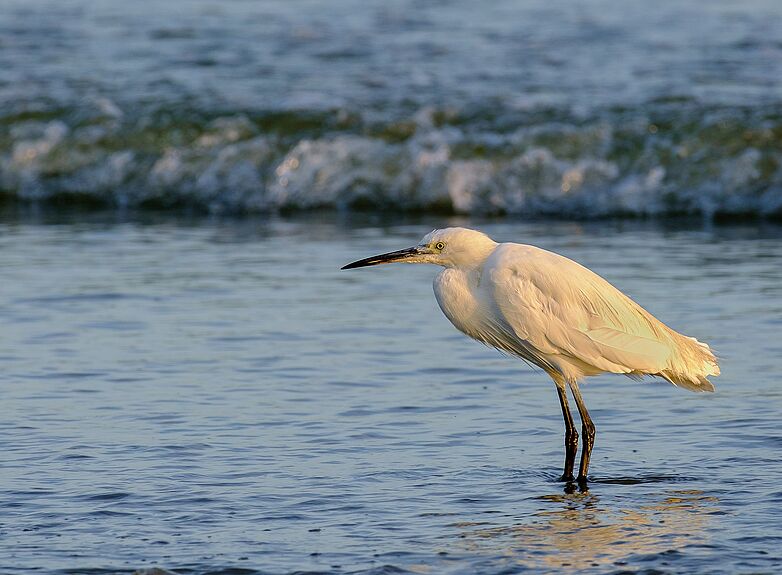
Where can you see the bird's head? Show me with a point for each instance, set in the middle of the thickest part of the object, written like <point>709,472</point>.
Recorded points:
<point>450,247</point>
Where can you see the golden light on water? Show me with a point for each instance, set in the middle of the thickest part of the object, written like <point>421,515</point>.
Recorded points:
<point>578,531</point>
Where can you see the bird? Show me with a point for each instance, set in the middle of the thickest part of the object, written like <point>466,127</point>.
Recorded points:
<point>556,314</point>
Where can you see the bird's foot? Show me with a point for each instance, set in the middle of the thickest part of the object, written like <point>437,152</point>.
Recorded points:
<point>567,478</point>
<point>579,484</point>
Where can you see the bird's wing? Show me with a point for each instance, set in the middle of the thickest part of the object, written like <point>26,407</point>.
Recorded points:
<point>558,307</point>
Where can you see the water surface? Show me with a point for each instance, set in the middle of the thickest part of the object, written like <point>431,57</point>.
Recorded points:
<point>215,396</point>
<point>574,107</point>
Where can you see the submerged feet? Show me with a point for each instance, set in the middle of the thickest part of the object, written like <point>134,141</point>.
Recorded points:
<point>573,486</point>
<point>571,446</point>
<point>571,438</point>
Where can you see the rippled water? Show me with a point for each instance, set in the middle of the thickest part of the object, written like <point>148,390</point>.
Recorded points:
<point>215,396</point>
<point>557,107</point>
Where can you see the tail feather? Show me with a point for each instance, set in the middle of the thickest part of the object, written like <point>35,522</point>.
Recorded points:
<point>691,364</point>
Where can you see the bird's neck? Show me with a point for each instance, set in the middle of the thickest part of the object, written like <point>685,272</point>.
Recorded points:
<point>471,262</point>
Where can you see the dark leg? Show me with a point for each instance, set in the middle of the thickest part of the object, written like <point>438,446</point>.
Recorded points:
<point>571,436</point>
<point>587,433</point>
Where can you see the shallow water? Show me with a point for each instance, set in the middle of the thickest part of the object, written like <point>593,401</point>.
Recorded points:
<point>215,396</point>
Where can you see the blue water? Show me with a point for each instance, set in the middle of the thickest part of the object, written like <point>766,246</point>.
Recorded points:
<point>216,396</point>
<point>559,107</point>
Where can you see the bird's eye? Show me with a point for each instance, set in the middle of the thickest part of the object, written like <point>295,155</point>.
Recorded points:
<point>439,245</point>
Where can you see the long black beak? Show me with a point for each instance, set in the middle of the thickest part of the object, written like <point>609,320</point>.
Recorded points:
<point>390,257</point>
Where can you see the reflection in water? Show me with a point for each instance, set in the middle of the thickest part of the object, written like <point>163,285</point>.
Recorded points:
<point>579,532</point>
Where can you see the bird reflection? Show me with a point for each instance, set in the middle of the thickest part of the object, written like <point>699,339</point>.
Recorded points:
<point>578,532</point>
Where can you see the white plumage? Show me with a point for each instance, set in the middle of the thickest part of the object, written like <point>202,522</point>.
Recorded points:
<point>564,318</point>
<point>553,313</point>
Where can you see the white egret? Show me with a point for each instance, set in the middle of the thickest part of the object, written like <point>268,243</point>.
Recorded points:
<point>556,314</point>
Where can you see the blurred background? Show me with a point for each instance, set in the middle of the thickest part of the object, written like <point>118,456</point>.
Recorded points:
<point>549,107</point>
<point>190,385</point>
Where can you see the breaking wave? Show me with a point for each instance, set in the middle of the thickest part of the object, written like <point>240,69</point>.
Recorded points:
<point>668,158</point>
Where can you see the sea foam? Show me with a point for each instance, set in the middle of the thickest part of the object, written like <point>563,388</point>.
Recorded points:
<point>680,161</point>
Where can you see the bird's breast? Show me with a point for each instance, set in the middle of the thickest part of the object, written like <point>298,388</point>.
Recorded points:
<point>458,300</point>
